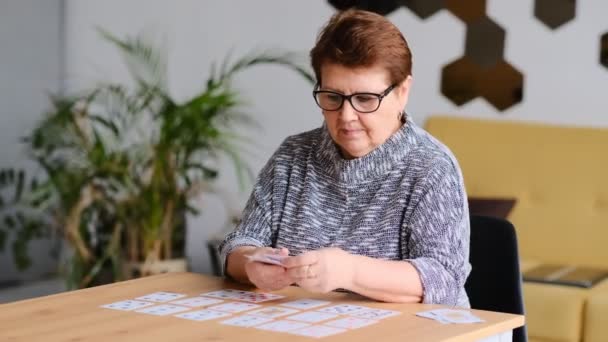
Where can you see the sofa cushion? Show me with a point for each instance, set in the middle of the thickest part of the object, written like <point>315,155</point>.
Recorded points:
<point>537,300</point>
<point>554,312</point>
<point>556,173</point>
<point>602,287</point>
<point>596,314</point>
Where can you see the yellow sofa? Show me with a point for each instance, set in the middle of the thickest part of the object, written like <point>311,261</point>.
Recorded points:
<point>559,176</point>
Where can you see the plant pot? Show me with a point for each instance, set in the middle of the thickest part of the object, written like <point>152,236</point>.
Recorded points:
<point>103,277</point>
<point>141,269</point>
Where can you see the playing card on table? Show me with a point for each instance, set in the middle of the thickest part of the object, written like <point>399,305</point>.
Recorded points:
<point>202,315</point>
<point>273,259</point>
<point>127,305</point>
<point>431,315</point>
<point>257,297</point>
<point>312,316</point>
<point>234,307</point>
<point>272,312</point>
<point>245,296</point>
<point>161,296</point>
<point>162,310</point>
<point>246,321</point>
<point>282,326</point>
<point>343,309</point>
<point>304,304</point>
<point>317,331</point>
<point>224,294</point>
<point>195,302</point>
<point>455,316</point>
<point>350,322</point>
<point>375,313</point>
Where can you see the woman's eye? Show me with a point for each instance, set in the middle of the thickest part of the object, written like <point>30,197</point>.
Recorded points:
<point>334,97</point>
<point>364,98</point>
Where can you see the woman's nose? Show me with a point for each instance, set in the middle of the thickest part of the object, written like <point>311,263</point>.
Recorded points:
<point>347,112</point>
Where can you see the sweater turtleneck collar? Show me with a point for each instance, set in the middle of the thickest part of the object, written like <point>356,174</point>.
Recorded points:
<point>374,164</point>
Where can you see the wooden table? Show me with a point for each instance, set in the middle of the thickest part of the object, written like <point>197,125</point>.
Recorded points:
<point>76,316</point>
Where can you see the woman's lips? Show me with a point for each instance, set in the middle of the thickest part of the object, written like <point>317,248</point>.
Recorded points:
<point>350,132</point>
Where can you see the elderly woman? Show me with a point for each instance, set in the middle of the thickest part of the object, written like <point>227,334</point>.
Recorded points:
<point>369,202</point>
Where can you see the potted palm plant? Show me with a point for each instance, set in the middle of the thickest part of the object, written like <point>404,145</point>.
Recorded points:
<point>120,166</point>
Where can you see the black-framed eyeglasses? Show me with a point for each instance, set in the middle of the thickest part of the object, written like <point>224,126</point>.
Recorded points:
<point>361,102</point>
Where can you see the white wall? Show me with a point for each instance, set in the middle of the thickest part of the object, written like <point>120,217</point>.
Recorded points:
<point>30,66</point>
<point>564,82</point>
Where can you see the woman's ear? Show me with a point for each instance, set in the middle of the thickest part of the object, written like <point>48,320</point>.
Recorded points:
<point>403,90</point>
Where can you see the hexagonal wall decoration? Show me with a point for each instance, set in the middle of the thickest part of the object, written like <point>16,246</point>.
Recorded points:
<point>423,8</point>
<point>485,42</point>
<point>459,80</point>
<point>604,50</point>
<point>554,13</point>
<point>502,85</point>
<point>381,7</point>
<point>467,11</point>
<point>464,80</point>
<point>482,71</point>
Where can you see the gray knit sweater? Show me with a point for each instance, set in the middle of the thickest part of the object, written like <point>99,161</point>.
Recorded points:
<point>405,200</point>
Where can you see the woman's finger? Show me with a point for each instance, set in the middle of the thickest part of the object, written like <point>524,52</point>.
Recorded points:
<point>309,284</point>
<point>304,259</point>
<point>298,272</point>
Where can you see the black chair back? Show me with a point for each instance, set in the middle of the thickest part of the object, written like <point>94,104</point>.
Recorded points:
<point>495,282</point>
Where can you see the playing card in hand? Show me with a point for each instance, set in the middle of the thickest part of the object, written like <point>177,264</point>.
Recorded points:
<point>273,259</point>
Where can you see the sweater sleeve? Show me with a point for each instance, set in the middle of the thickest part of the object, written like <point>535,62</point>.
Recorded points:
<point>255,227</point>
<point>438,239</point>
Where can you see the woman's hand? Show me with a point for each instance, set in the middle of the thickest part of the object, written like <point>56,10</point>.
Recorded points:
<point>268,277</point>
<point>322,270</point>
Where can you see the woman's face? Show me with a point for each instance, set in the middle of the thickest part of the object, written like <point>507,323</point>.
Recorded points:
<point>356,133</point>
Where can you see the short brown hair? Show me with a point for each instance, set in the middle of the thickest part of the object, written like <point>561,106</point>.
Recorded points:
<point>357,38</point>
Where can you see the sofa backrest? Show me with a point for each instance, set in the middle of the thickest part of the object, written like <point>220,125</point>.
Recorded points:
<point>559,176</point>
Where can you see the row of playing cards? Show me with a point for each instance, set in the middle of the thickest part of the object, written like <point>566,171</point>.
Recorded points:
<point>448,316</point>
<point>245,296</point>
<point>323,322</point>
<point>286,317</point>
